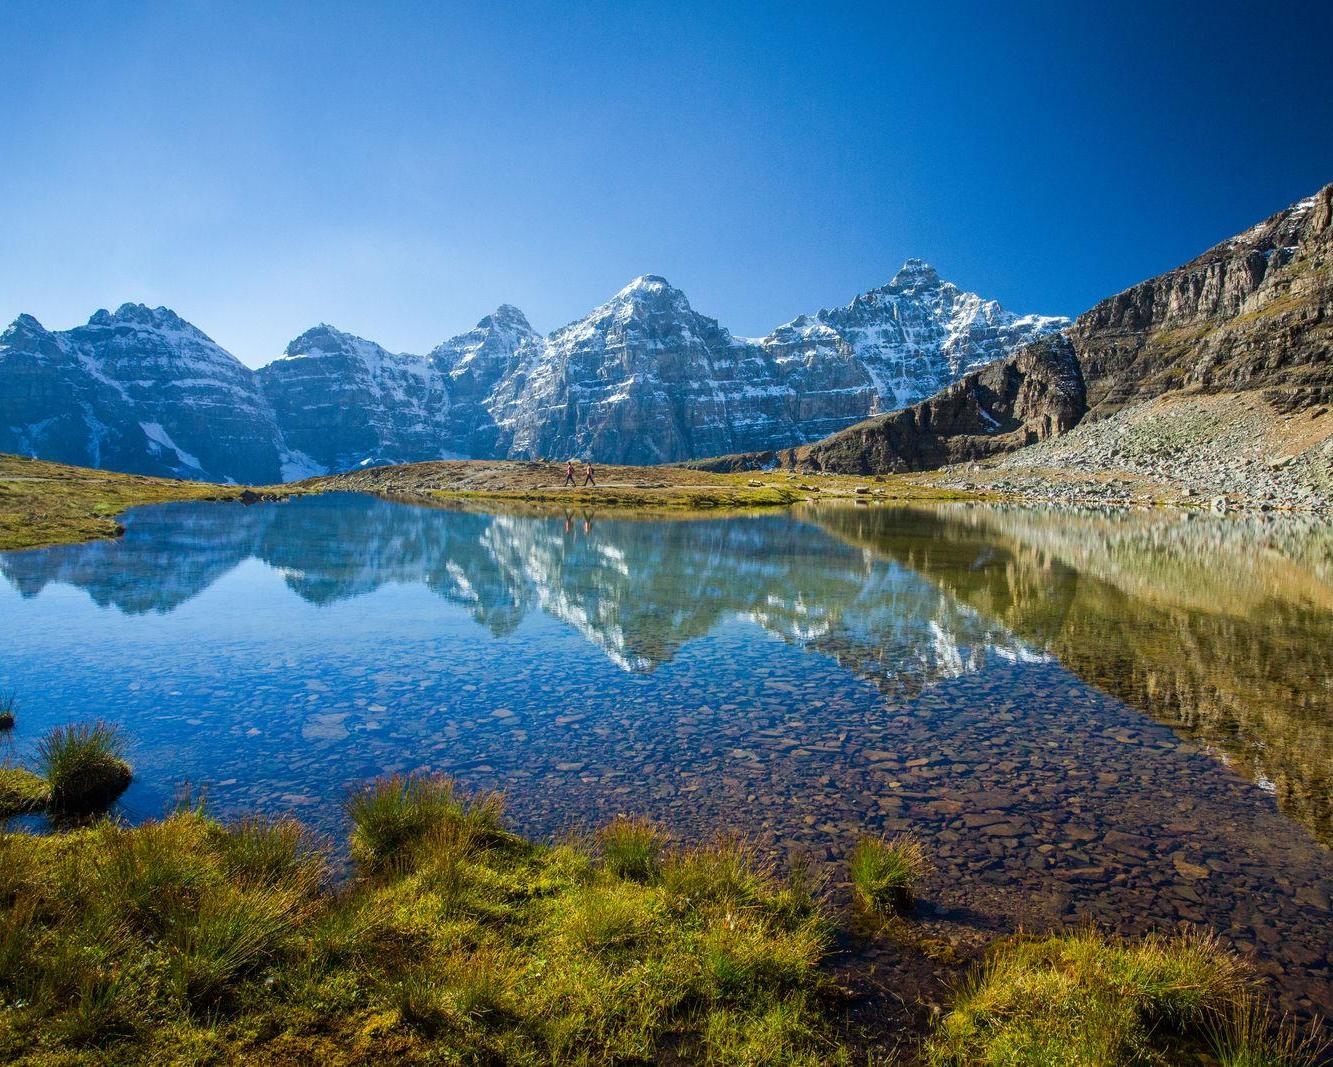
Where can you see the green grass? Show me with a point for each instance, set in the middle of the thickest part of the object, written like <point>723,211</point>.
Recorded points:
<point>49,503</point>
<point>455,941</point>
<point>1080,999</point>
<point>885,872</point>
<point>8,707</point>
<point>22,792</point>
<point>632,848</point>
<point>85,767</point>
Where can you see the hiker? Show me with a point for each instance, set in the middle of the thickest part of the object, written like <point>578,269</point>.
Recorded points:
<point>569,473</point>
<point>589,480</point>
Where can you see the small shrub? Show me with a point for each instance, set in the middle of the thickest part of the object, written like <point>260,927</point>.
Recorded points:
<point>632,848</point>
<point>21,792</point>
<point>8,706</point>
<point>884,873</point>
<point>85,767</point>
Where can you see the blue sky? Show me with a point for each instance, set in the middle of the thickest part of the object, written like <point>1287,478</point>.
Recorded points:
<point>400,169</point>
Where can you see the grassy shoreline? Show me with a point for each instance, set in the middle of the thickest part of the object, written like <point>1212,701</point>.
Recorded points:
<point>455,940</point>
<point>43,504</point>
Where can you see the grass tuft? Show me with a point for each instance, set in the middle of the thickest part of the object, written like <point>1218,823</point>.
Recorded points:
<point>22,792</point>
<point>885,872</point>
<point>8,708</point>
<point>85,767</point>
<point>1081,999</point>
<point>632,848</point>
<point>395,819</point>
<point>1251,1036</point>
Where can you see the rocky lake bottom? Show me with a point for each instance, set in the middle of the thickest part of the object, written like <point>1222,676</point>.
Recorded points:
<point>1123,718</point>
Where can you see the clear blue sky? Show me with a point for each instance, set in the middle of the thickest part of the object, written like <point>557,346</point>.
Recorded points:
<point>400,169</point>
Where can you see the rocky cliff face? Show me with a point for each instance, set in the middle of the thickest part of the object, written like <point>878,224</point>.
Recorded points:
<point>1255,313</point>
<point>644,378</point>
<point>140,390</point>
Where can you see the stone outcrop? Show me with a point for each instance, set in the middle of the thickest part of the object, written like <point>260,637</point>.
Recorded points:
<point>1255,312</point>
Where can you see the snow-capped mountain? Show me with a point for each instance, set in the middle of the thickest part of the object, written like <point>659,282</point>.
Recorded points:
<point>344,402</point>
<point>911,338</point>
<point>140,390</point>
<point>644,378</point>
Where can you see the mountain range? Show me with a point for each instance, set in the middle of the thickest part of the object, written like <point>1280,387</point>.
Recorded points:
<point>643,378</point>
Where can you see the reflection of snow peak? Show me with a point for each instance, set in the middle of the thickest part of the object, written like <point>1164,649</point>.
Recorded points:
<point>638,591</point>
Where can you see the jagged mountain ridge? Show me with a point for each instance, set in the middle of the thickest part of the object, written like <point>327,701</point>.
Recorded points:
<point>643,378</point>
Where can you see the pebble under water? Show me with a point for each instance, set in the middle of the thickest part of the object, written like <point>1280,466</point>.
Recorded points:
<point>1120,718</point>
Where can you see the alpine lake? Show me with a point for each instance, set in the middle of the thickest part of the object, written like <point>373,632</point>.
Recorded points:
<point>1116,718</point>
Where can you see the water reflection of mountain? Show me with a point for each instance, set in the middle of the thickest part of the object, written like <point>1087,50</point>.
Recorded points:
<point>637,590</point>
<point>1221,628</point>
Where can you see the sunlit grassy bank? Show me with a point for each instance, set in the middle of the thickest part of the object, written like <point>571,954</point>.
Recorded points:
<point>456,941</point>
<point>49,503</point>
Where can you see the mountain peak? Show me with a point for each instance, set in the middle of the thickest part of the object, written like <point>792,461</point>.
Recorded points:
<point>140,315</point>
<point>24,327</point>
<point>506,316</point>
<point>915,274</point>
<point>644,284</point>
<point>320,338</point>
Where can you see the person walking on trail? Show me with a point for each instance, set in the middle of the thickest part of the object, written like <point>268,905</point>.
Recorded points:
<point>590,480</point>
<point>569,473</point>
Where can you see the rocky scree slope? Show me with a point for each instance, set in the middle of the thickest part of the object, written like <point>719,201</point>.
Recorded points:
<point>644,378</point>
<point>1253,315</point>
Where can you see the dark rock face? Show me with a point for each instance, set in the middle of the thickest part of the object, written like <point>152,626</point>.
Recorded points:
<point>1013,402</point>
<point>140,390</point>
<point>1253,313</point>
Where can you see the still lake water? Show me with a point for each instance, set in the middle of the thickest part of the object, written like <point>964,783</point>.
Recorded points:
<point>1119,718</point>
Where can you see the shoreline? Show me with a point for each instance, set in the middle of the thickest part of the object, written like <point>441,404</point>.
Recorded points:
<point>44,504</point>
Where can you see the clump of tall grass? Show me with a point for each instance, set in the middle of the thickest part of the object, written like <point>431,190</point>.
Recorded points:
<point>632,848</point>
<point>22,792</point>
<point>85,767</point>
<point>1251,1036</point>
<point>885,872</point>
<point>8,708</point>
<point>394,818</point>
<point>1082,999</point>
<point>261,851</point>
